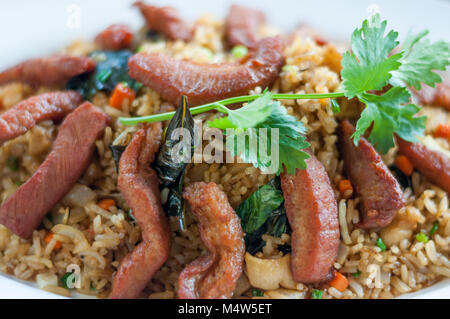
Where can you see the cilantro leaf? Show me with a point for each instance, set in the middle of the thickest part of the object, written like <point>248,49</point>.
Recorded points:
<point>247,116</point>
<point>389,114</point>
<point>420,58</point>
<point>256,148</point>
<point>369,67</point>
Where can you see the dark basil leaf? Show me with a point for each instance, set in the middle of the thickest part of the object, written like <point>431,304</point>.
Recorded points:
<point>278,224</point>
<point>117,151</point>
<point>404,180</point>
<point>111,69</point>
<point>285,249</point>
<point>168,169</point>
<point>253,241</point>
<point>275,182</point>
<point>170,165</point>
<point>262,213</point>
<point>175,202</point>
<point>257,208</point>
<point>154,36</point>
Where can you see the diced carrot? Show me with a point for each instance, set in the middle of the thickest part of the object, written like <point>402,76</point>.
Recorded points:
<point>49,238</point>
<point>344,186</point>
<point>121,93</point>
<point>340,282</point>
<point>404,164</point>
<point>106,203</point>
<point>443,130</point>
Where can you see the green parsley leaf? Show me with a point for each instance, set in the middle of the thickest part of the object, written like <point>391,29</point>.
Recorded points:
<point>247,116</point>
<point>317,294</point>
<point>244,139</point>
<point>369,67</point>
<point>419,60</point>
<point>356,274</point>
<point>389,115</point>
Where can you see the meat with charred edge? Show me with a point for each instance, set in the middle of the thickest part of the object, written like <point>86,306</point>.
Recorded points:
<point>312,212</point>
<point>204,83</point>
<point>70,156</point>
<point>23,116</point>
<point>434,165</point>
<point>381,194</point>
<point>52,70</point>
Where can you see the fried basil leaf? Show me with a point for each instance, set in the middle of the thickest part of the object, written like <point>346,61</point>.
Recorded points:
<point>173,157</point>
<point>174,153</point>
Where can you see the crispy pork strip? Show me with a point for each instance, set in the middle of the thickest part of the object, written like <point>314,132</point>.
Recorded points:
<point>438,96</point>
<point>115,37</point>
<point>214,275</point>
<point>242,25</point>
<point>166,20</point>
<point>312,212</point>
<point>23,116</point>
<point>381,194</point>
<point>23,211</point>
<point>204,83</point>
<point>53,70</point>
<point>434,165</point>
<point>139,185</point>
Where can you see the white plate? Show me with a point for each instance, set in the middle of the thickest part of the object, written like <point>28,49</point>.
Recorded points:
<point>34,28</point>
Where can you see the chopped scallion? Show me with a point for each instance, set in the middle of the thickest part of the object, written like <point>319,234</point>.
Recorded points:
<point>239,51</point>
<point>13,163</point>
<point>422,237</point>
<point>434,228</point>
<point>257,293</point>
<point>317,294</point>
<point>104,75</point>
<point>380,244</point>
<point>335,107</point>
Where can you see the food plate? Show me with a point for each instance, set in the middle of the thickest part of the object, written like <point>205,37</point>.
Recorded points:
<point>34,28</point>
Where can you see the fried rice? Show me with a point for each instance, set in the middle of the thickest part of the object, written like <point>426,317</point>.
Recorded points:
<point>96,239</point>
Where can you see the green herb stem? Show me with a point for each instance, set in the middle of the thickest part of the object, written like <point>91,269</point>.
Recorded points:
<point>219,105</point>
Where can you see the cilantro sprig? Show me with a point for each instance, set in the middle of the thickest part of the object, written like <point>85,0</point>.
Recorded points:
<point>264,113</point>
<point>371,67</point>
<point>377,71</point>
